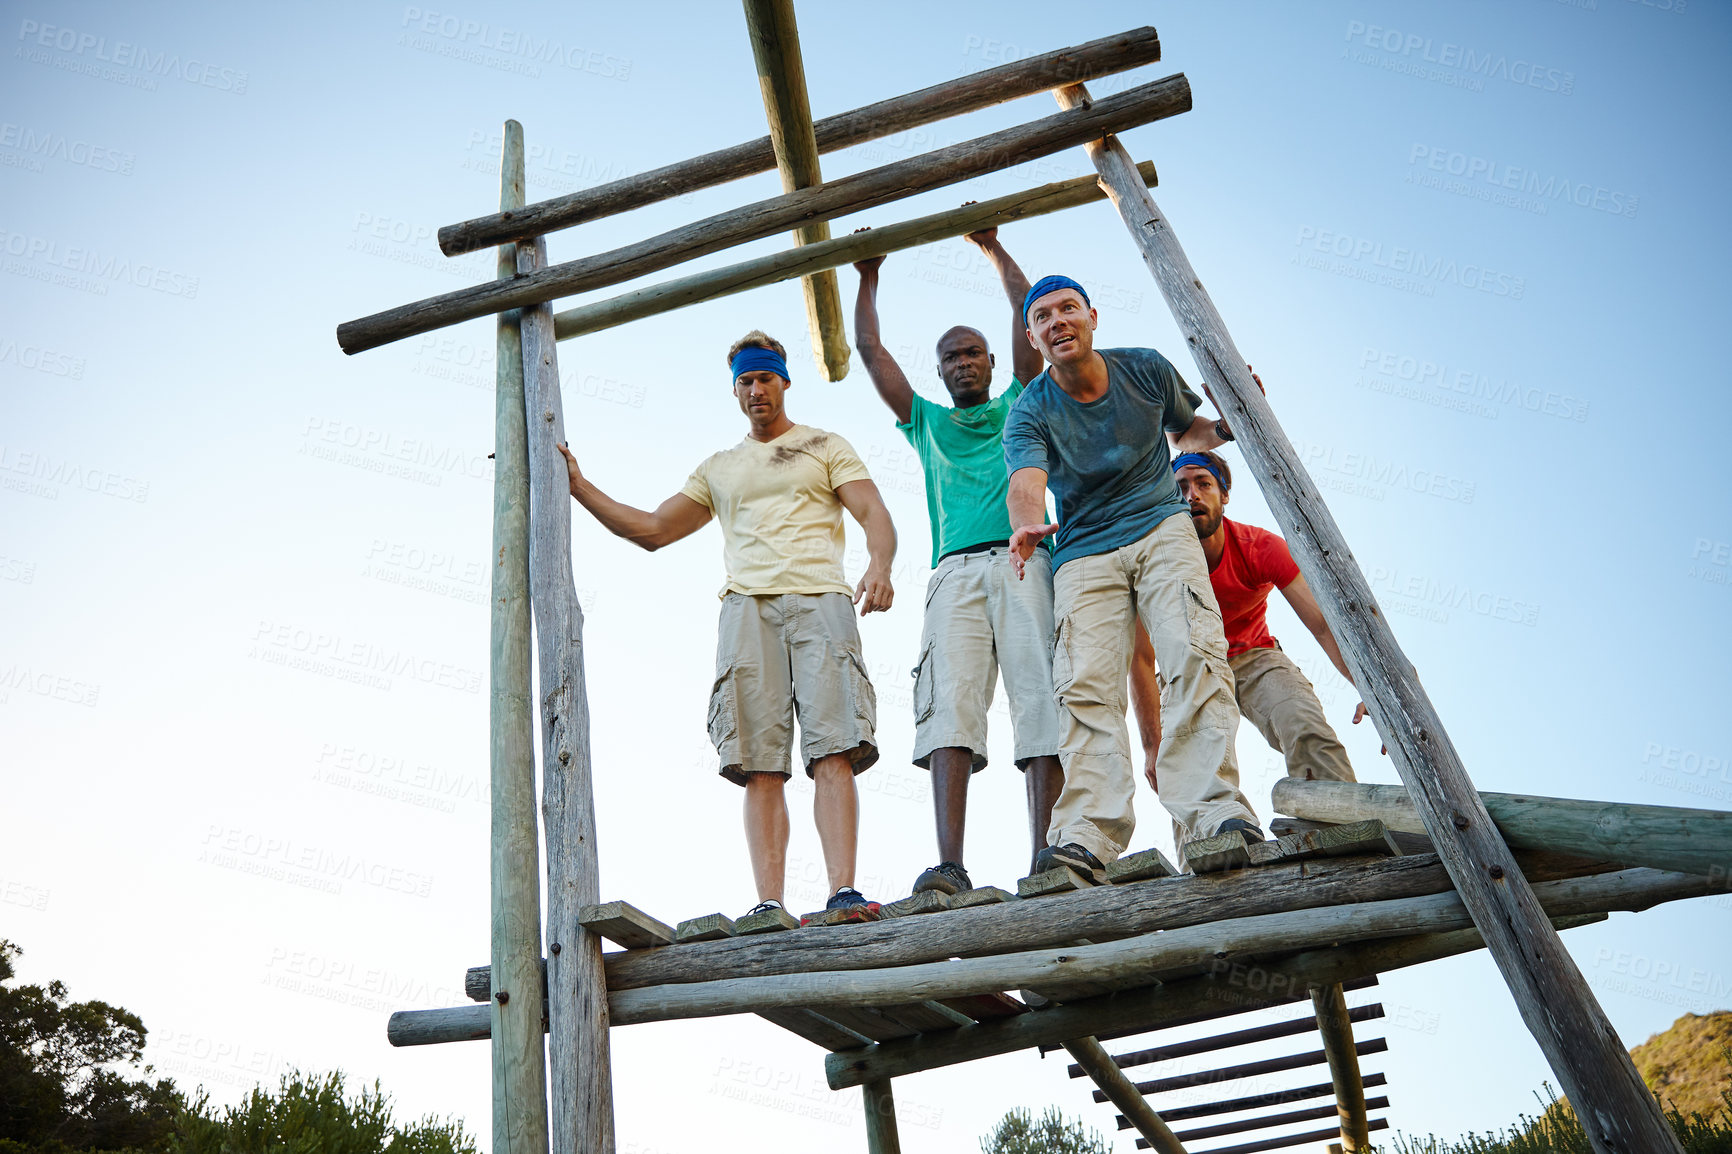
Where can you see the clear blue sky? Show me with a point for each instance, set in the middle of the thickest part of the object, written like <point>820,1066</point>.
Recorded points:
<point>1477,252</point>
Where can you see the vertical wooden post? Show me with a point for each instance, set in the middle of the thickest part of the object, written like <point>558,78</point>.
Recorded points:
<point>579,1067</point>
<point>518,1006</point>
<point>782,78</point>
<point>1122,1092</point>
<point>1615,1107</point>
<point>1330,1005</point>
<point>881,1135</point>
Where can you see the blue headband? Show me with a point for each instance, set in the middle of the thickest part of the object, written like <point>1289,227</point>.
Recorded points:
<point>752,357</point>
<point>1201,462</point>
<point>1050,284</point>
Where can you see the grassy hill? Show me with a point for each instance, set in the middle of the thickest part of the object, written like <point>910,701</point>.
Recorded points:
<point>1686,1065</point>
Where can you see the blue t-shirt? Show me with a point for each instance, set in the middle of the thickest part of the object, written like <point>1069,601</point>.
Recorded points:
<point>1106,461</point>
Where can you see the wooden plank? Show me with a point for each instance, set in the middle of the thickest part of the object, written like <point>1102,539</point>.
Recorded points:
<point>1140,866</point>
<point>1053,881</point>
<point>1224,991</point>
<point>815,1028</point>
<point>1350,984</point>
<point>869,1021</point>
<point>1560,1010</point>
<point>977,90</point>
<point>924,902</point>
<point>705,928</point>
<point>881,1134</point>
<point>1695,841</point>
<point>519,999</point>
<point>1114,1086</point>
<point>773,920</point>
<point>1327,841</point>
<point>1254,1102</point>
<point>987,1007</point>
<point>1191,1046</point>
<point>1247,1069</point>
<point>980,896</point>
<point>833,198</point>
<point>1342,1053</point>
<point>925,1017</point>
<point>1416,843</point>
<point>1281,1143</point>
<point>580,1069</point>
<point>625,925</point>
<point>737,278</point>
<point>1130,962</point>
<point>1224,851</point>
<point>775,40</point>
<point>1309,1114</point>
<point>1099,914</point>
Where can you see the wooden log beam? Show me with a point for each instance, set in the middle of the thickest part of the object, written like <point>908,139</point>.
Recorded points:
<point>1117,1089</point>
<point>1284,1142</point>
<point>1099,914</point>
<point>781,266</point>
<point>1697,841</point>
<point>782,79</point>
<point>964,94</point>
<point>1226,990</point>
<point>863,190</point>
<point>1364,983</point>
<point>1194,1046</point>
<point>1254,1102</point>
<point>579,1065</point>
<point>1247,1070</point>
<point>1616,1108</point>
<point>519,997</point>
<point>1285,1118</point>
<point>1336,1027</point>
<point>882,1136</point>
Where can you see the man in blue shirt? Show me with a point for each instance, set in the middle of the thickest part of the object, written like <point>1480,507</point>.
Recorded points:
<point>1094,428</point>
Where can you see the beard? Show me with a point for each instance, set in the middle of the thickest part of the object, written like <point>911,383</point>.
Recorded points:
<point>1207,523</point>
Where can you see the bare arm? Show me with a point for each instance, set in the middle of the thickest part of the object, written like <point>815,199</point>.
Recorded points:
<point>1025,360</point>
<point>678,516</point>
<point>1146,699</point>
<point>1026,503</point>
<point>862,499</point>
<point>1304,604</point>
<point>1200,437</point>
<point>887,376</point>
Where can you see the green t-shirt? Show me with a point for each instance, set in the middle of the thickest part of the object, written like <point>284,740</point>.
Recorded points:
<point>962,454</point>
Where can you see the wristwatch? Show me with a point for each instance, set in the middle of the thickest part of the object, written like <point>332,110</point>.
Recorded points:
<point>1222,431</point>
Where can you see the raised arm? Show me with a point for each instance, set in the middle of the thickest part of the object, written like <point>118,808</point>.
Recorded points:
<point>1200,437</point>
<point>678,516</point>
<point>886,374</point>
<point>1025,361</point>
<point>866,504</point>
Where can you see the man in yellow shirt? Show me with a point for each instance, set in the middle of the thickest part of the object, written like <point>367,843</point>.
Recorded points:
<point>787,644</point>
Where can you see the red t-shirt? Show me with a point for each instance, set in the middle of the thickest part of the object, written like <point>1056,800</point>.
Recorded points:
<point>1253,562</point>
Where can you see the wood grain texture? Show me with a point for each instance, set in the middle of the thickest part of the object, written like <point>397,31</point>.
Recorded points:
<point>1666,837</point>
<point>1174,1050</point>
<point>964,94</point>
<point>1335,1025</point>
<point>881,1133</point>
<point>1264,1122</point>
<point>1594,1067</point>
<point>737,278</point>
<point>1247,1070</point>
<point>1255,1101</point>
<point>890,182</point>
<point>1117,1089</point>
<point>775,40</point>
<point>519,996</point>
<point>625,925</point>
<point>579,1066</point>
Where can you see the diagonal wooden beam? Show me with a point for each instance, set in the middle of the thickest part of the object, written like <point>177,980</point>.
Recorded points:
<point>1117,1089</point>
<point>862,190</point>
<point>782,79</point>
<point>955,97</point>
<point>1336,1027</point>
<point>1617,1109</point>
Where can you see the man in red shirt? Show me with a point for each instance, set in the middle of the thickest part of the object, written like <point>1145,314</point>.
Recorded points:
<point>1245,563</point>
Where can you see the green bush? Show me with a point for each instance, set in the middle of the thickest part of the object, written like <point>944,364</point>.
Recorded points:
<point>309,1114</point>
<point>1019,1132</point>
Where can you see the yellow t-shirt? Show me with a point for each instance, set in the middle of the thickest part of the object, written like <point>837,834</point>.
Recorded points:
<point>780,516</point>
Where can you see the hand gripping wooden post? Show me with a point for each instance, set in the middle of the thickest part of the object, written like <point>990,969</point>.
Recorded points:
<point>518,1002</point>
<point>782,78</point>
<point>578,1055</point>
<point>1615,1108</point>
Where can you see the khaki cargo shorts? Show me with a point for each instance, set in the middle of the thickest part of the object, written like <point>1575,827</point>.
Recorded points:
<point>784,656</point>
<point>981,621</point>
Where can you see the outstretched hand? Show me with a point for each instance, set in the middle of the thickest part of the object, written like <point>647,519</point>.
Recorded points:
<point>981,237</point>
<point>573,474</point>
<point>1359,711</point>
<point>1023,543</point>
<point>874,594</point>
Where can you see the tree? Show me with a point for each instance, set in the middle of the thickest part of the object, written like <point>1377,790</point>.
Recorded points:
<point>1019,1132</point>
<point>59,1088</point>
<point>313,1113</point>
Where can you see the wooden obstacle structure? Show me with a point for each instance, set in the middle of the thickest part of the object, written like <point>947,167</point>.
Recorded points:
<point>1364,879</point>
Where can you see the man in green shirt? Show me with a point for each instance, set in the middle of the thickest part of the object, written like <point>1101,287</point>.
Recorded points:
<point>980,620</point>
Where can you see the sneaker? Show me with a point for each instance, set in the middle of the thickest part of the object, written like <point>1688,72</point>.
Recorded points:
<point>947,877</point>
<point>845,905</point>
<point>1252,834</point>
<point>764,907</point>
<point>1072,857</point>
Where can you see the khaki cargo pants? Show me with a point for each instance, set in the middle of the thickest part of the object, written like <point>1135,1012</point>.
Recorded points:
<point>1282,703</point>
<point>1163,579</point>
